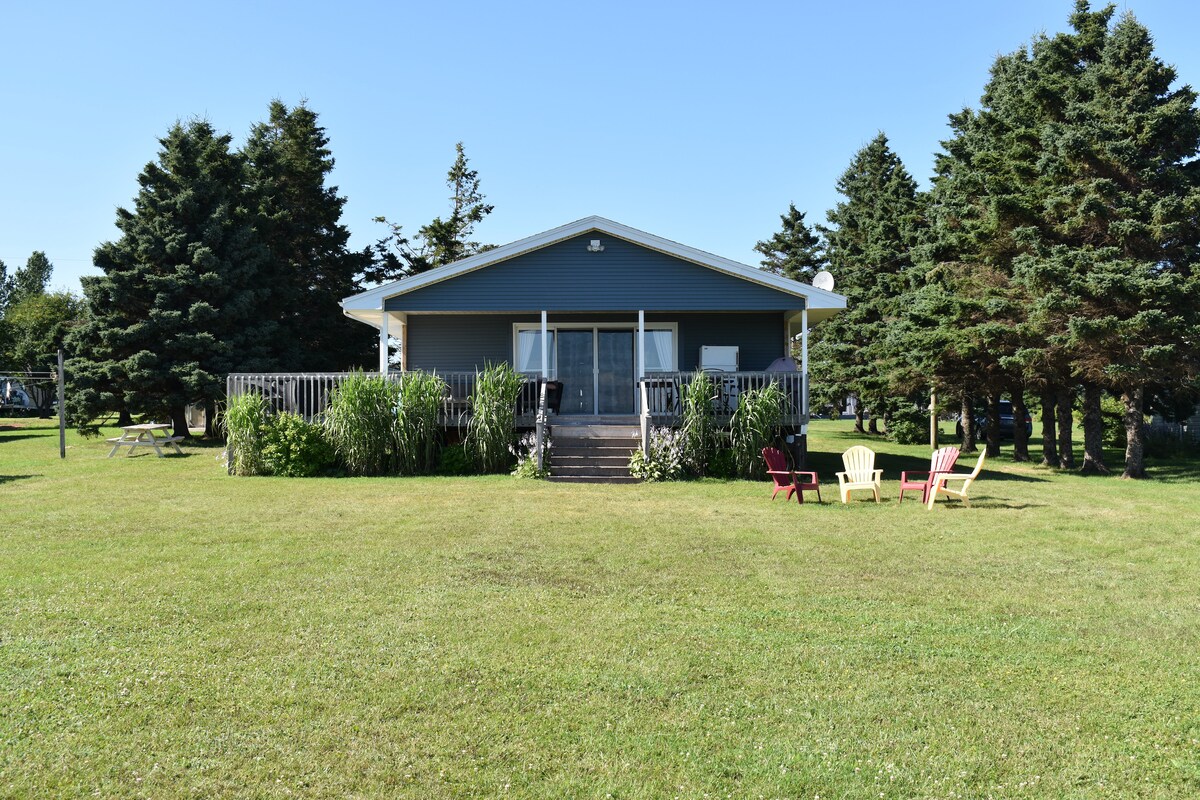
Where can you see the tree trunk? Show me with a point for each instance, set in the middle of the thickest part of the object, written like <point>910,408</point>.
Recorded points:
<point>1135,446</point>
<point>858,418</point>
<point>967,424</point>
<point>1066,425</point>
<point>179,421</point>
<point>873,425</point>
<point>1049,445</point>
<point>1020,432</point>
<point>993,428</point>
<point>1093,432</point>
<point>124,418</point>
<point>210,419</point>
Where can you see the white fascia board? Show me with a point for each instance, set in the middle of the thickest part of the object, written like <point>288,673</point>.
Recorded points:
<point>373,299</point>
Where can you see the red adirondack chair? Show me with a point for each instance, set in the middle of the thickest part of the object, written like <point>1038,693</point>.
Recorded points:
<point>789,480</point>
<point>942,462</point>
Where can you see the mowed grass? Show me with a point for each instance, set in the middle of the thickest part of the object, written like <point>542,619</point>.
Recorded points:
<point>169,631</point>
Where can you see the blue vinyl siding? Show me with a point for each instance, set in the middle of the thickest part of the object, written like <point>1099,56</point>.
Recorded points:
<point>759,338</point>
<point>458,342</point>
<point>566,277</point>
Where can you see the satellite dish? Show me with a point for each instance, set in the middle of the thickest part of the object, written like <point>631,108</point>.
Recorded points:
<point>823,280</point>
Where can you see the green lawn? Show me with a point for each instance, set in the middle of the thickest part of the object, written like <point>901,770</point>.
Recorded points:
<point>167,630</point>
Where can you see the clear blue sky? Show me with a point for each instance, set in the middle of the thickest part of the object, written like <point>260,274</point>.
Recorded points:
<point>695,121</point>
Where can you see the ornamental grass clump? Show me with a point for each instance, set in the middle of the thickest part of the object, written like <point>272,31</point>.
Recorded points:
<point>490,433</point>
<point>698,432</point>
<point>361,423</point>
<point>245,420</point>
<point>755,425</point>
<point>417,435</point>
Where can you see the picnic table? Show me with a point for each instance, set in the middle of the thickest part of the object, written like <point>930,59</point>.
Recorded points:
<point>143,435</point>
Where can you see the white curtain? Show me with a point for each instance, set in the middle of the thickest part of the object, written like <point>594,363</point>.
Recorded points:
<point>529,350</point>
<point>660,346</point>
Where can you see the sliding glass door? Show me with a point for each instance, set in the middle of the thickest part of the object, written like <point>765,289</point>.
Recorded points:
<point>614,371</point>
<point>576,370</point>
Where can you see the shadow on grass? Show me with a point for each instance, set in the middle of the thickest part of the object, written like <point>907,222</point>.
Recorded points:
<point>892,465</point>
<point>6,437</point>
<point>10,478</point>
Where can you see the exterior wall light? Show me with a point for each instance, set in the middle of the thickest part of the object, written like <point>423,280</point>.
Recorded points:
<point>595,246</point>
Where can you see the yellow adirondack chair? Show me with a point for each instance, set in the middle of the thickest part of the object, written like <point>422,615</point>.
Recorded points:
<point>860,472</point>
<point>939,483</point>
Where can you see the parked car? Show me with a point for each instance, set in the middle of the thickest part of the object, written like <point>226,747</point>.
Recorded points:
<point>1006,422</point>
<point>15,401</point>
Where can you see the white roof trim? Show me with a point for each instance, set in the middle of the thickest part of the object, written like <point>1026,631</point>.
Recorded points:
<point>373,299</point>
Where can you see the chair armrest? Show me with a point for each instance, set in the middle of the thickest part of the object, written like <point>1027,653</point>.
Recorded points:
<point>786,472</point>
<point>904,475</point>
<point>811,476</point>
<point>878,475</point>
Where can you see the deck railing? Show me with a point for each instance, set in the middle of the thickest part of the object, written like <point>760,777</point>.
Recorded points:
<point>663,392</point>
<point>308,393</point>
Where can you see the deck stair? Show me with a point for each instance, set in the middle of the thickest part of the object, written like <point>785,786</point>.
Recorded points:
<point>594,450</point>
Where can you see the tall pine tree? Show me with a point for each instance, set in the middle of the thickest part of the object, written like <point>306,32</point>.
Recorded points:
<point>182,298</point>
<point>309,266</point>
<point>869,247</point>
<point>441,241</point>
<point>794,251</point>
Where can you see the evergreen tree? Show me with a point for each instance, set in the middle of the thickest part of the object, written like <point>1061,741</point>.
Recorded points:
<point>869,252</point>
<point>181,302</point>
<point>310,267</point>
<point>31,280</point>
<point>1113,254</point>
<point>442,241</point>
<point>794,251</point>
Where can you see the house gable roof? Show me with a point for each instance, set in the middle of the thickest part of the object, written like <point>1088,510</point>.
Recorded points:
<point>368,305</point>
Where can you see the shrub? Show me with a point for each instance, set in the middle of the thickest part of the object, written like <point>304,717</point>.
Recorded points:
<point>721,465</point>
<point>665,461</point>
<point>245,420</point>
<point>698,432</point>
<point>490,433</point>
<point>454,461</point>
<point>417,436</point>
<point>908,424</point>
<point>295,448</point>
<point>755,425</point>
<point>526,452</point>
<point>361,423</point>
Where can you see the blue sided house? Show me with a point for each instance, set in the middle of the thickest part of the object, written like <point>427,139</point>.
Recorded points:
<point>613,319</point>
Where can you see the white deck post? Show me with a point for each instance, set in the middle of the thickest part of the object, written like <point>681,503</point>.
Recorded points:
<point>383,342</point>
<point>545,349</point>
<point>804,361</point>
<point>641,353</point>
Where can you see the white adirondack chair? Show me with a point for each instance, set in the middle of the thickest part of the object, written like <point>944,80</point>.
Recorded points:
<point>860,472</point>
<point>940,481</point>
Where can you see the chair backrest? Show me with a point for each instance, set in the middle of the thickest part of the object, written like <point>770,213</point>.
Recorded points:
<point>943,460</point>
<point>978,466</point>
<point>859,463</point>
<point>775,458</point>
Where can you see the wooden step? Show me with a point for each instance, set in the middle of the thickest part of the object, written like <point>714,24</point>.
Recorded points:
<point>592,479</point>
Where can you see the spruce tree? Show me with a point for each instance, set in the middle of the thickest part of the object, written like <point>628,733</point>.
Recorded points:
<point>181,302</point>
<point>310,267</point>
<point>869,248</point>
<point>794,251</point>
<point>441,241</point>
<point>1114,251</point>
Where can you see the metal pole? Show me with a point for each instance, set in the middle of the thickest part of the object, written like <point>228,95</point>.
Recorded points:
<point>933,426</point>
<point>62,409</point>
<point>804,364</point>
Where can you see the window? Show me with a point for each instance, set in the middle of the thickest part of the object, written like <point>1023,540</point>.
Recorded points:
<point>660,350</point>
<point>529,350</point>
